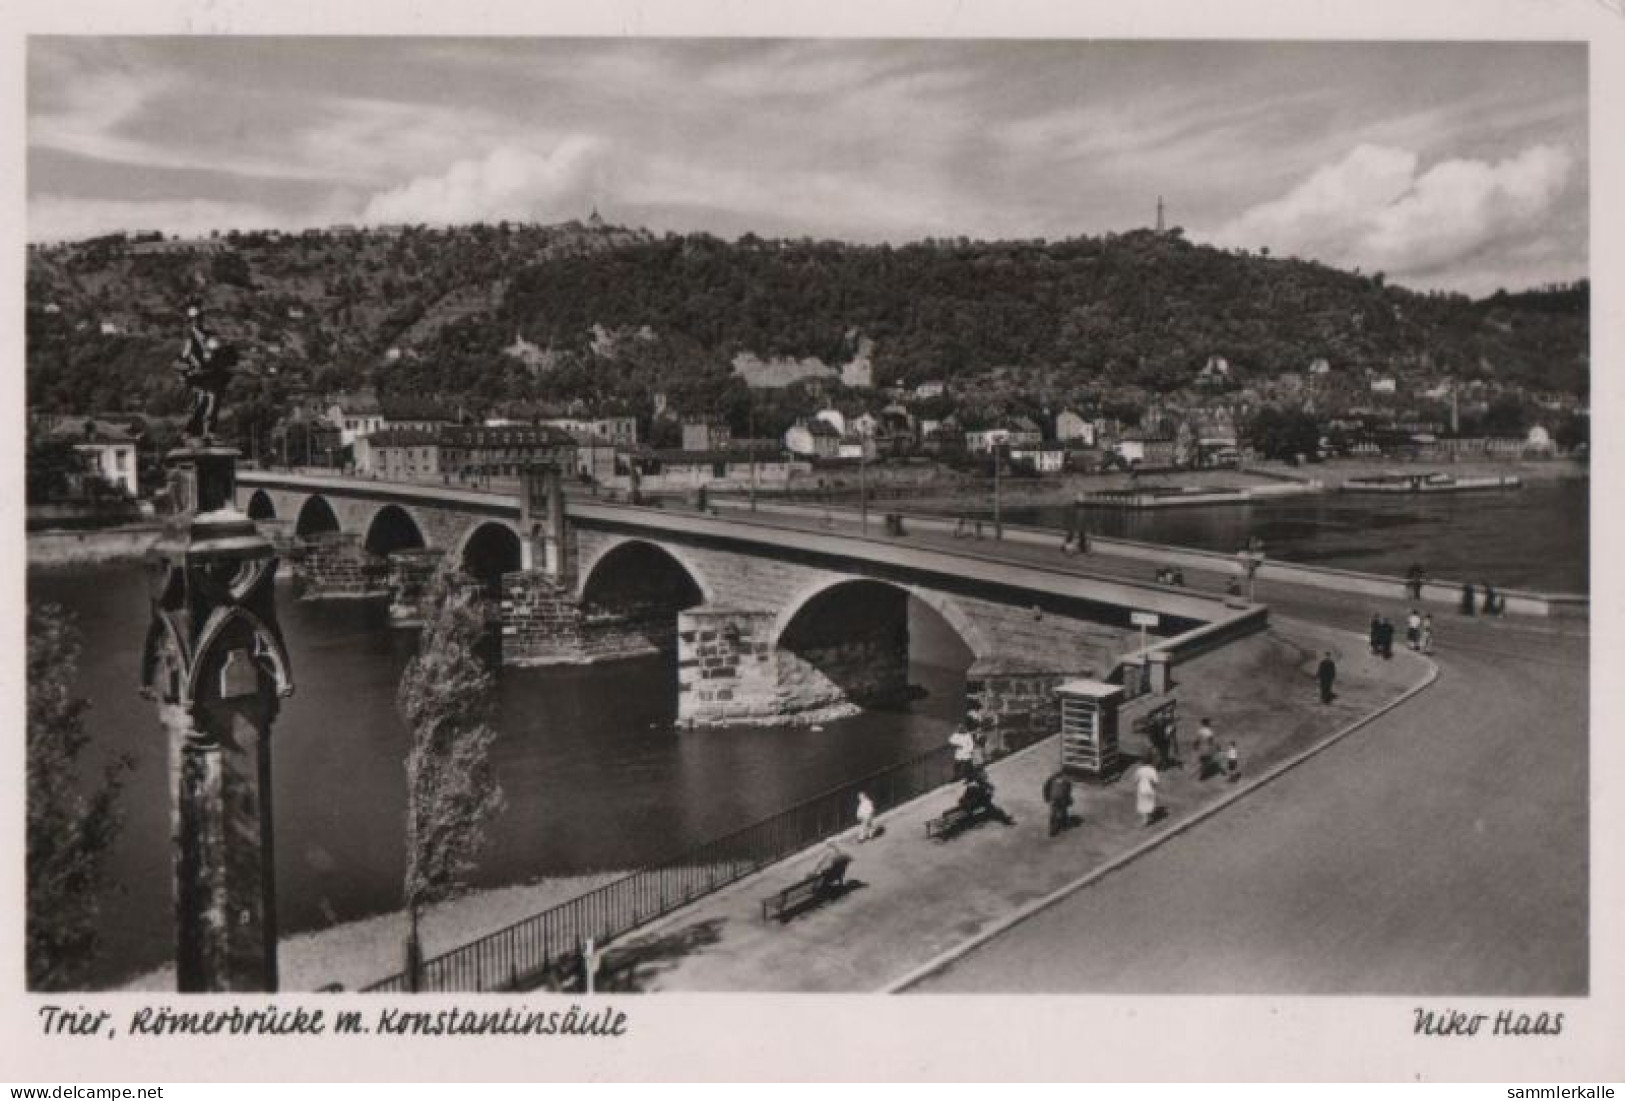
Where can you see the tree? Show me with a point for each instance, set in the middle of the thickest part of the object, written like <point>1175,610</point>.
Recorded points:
<point>446,696</point>
<point>71,826</point>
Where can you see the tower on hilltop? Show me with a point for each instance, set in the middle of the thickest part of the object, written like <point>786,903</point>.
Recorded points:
<point>1161,226</point>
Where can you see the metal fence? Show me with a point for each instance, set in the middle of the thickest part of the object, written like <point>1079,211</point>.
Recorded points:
<point>526,953</point>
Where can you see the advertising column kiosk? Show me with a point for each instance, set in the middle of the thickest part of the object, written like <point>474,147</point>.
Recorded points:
<point>1089,729</point>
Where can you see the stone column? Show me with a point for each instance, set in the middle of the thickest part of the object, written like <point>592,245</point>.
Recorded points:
<point>215,664</point>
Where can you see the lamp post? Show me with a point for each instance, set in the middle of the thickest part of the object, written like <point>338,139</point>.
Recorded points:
<point>998,502</point>
<point>751,417</point>
<point>863,486</point>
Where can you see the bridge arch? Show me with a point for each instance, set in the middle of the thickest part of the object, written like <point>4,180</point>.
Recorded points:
<point>316,517</point>
<point>488,550</point>
<point>612,563</point>
<point>943,606</point>
<point>393,528</point>
<point>850,641</point>
<point>261,506</point>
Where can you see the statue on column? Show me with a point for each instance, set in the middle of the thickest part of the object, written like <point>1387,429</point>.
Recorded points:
<point>205,364</point>
<point>215,665</point>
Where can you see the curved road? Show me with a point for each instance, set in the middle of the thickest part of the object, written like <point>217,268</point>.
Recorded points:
<point>1441,850</point>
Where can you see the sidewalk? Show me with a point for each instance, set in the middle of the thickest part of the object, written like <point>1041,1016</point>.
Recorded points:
<point>912,899</point>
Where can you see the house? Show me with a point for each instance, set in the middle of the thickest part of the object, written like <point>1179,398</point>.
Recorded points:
<point>931,388</point>
<point>470,453</point>
<point>617,431</point>
<point>1215,372</point>
<point>1040,458</point>
<point>864,424</point>
<point>706,435</point>
<point>834,418</point>
<point>400,454</point>
<point>356,413</point>
<point>412,412</point>
<point>1384,384</point>
<point>813,439</point>
<point>1142,449</point>
<point>1071,427</point>
<point>108,451</point>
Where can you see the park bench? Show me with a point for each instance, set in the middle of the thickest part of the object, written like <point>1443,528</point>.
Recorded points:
<point>954,819</point>
<point>809,890</point>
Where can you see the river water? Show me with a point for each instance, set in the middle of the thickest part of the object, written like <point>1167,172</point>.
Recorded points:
<point>597,776</point>
<point>1535,538</point>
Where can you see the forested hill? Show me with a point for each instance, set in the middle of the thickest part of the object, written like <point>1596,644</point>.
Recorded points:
<point>438,311</point>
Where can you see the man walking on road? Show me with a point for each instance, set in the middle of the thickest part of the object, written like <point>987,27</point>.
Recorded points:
<point>1326,674</point>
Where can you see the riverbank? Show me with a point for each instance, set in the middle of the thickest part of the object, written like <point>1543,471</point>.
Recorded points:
<point>47,549</point>
<point>358,953</point>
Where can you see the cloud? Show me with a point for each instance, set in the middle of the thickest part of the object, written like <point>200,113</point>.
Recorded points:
<point>1377,208</point>
<point>508,183</point>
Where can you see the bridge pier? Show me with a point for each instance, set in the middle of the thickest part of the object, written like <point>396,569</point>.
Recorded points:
<point>334,564</point>
<point>544,622</point>
<point>725,667</point>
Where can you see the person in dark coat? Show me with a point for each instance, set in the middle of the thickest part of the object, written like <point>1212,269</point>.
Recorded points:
<point>1376,634</point>
<point>1467,597</point>
<point>1385,638</point>
<point>1058,795</point>
<point>1326,674</point>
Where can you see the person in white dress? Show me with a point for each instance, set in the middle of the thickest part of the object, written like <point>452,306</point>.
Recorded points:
<point>1145,792</point>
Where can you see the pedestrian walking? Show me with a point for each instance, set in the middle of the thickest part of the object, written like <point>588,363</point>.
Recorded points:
<point>1170,740</point>
<point>1427,634</point>
<point>1207,750</point>
<point>1232,763</point>
<point>1326,674</point>
<point>1058,797</point>
<point>1413,630</point>
<point>1413,580</point>
<point>964,744</point>
<point>1376,633</point>
<point>1467,598</point>
<point>1386,638</point>
<point>1145,792</point>
<point>1492,602</point>
<point>866,816</point>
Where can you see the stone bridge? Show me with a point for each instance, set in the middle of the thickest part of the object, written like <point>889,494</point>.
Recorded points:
<point>765,619</point>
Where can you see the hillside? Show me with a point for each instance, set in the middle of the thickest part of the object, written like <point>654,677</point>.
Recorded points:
<point>426,311</point>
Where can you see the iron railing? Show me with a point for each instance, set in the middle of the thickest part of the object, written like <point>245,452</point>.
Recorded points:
<point>526,953</point>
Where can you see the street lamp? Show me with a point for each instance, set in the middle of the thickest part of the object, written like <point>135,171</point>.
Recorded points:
<point>998,502</point>
<point>863,486</point>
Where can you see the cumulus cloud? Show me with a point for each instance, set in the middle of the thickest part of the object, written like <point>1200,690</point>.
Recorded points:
<point>510,182</point>
<point>1378,208</point>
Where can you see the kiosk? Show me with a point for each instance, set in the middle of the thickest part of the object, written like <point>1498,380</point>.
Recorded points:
<point>1089,729</point>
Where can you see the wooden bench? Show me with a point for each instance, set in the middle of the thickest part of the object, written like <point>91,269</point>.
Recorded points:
<point>954,819</point>
<point>812,889</point>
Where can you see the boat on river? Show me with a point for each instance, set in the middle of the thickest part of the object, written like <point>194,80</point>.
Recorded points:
<point>1430,482</point>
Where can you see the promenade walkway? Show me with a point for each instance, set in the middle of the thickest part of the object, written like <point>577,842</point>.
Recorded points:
<point>914,898</point>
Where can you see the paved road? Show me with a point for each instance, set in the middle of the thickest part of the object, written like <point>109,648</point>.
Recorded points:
<point>1442,850</point>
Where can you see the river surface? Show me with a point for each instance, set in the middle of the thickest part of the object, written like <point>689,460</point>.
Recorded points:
<point>596,775</point>
<point>1535,538</point>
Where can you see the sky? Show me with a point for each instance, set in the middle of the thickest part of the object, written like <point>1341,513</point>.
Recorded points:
<point>1457,166</point>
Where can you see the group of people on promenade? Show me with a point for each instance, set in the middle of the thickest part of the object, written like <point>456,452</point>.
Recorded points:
<point>1162,753</point>
<point>1418,634</point>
